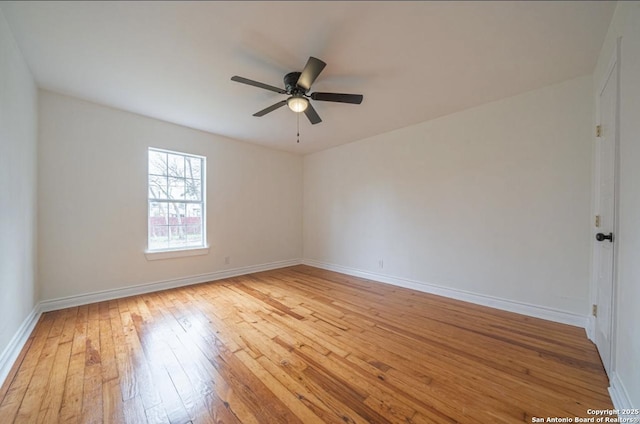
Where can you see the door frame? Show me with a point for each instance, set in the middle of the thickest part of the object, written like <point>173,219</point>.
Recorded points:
<point>613,62</point>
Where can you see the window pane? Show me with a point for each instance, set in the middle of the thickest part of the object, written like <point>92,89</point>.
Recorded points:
<point>177,236</point>
<point>157,187</point>
<point>176,188</point>
<point>194,210</point>
<point>158,237</point>
<point>193,189</point>
<point>157,163</point>
<point>193,168</point>
<point>173,215</point>
<point>176,165</point>
<point>194,235</point>
<point>158,213</point>
<point>194,224</point>
<point>176,213</point>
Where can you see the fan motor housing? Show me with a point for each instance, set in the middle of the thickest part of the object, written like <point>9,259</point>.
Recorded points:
<point>291,83</point>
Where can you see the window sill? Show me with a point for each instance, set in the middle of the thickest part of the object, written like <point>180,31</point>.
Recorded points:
<point>171,254</point>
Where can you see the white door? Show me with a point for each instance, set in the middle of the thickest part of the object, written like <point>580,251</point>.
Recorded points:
<point>605,231</point>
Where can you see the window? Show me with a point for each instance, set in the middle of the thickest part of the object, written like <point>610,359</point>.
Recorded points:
<point>176,201</point>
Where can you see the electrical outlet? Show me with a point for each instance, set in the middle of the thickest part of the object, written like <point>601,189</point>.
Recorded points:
<point>381,263</point>
<point>227,260</point>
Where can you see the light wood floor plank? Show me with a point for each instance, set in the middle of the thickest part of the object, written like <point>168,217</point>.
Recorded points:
<point>299,345</point>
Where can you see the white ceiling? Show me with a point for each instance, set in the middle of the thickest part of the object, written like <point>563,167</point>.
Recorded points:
<point>413,61</point>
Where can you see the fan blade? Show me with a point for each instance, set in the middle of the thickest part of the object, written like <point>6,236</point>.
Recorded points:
<point>271,108</point>
<point>310,72</point>
<point>313,116</point>
<point>257,84</point>
<point>355,99</point>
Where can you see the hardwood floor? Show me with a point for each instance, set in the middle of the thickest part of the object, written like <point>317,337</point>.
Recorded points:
<point>299,345</point>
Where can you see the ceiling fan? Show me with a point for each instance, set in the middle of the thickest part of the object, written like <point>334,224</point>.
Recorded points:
<point>297,85</point>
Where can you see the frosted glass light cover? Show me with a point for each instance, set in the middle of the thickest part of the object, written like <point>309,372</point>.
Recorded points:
<point>297,104</point>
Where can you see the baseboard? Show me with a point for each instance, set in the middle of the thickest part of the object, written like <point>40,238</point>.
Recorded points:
<point>621,400</point>
<point>12,351</point>
<point>480,299</point>
<point>101,296</point>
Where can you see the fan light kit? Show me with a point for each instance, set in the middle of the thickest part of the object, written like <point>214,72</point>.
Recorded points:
<point>297,103</point>
<point>297,85</point>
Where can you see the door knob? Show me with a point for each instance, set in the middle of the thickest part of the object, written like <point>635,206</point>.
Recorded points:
<point>602,237</point>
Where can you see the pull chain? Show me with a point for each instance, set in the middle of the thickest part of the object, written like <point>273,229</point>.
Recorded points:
<point>298,114</point>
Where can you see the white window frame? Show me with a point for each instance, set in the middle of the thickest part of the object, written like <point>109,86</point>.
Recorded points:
<point>177,252</point>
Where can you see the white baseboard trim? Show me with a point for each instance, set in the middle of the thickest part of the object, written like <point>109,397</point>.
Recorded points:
<point>536,311</point>
<point>12,351</point>
<point>101,296</point>
<point>620,398</point>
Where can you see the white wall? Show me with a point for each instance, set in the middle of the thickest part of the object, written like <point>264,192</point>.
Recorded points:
<point>18,140</point>
<point>92,199</point>
<point>626,24</point>
<point>494,200</point>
